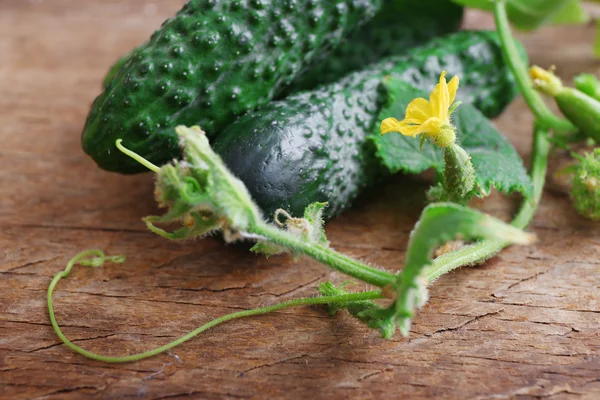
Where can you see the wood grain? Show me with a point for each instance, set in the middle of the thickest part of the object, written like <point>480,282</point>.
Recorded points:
<point>524,325</point>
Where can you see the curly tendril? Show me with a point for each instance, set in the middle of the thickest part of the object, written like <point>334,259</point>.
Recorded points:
<point>97,259</point>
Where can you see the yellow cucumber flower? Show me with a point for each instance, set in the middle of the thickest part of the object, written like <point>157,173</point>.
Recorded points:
<point>430,118</point>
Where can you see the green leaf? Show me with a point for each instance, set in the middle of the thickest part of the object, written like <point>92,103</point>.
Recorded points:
<point>366,311</point>
<point>267,248</point>
<point>496,162</point>
<point>314,215</point>
<point>527,14</point>
<point>572,13</point>
<point>440,223</point>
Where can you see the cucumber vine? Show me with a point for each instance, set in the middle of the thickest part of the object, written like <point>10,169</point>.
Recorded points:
<point>201,195</point>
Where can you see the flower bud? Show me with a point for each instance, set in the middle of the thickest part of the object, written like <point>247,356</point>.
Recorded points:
<point>545,81</point>
<point>586,186</point>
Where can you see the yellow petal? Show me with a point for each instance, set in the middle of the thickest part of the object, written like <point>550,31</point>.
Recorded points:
<point>440,99</point>
<point>406,127</point>
<point>389,125</point>
<point>443,77</point>
<point>452,88</point>
<point>419,109</point>
<point>537,73</point>
<point>409,130</point>
<point>411,121</point>
<point>432,127</point>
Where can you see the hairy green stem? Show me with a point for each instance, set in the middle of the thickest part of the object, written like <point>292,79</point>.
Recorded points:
<point>99,259</point>
<point>325,255</point>
<point>521,74</point>
<point>539,166</point>
<point>256,226</point>
<point>481,251</point>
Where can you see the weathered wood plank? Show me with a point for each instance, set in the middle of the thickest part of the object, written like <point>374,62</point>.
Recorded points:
<point>524,325</point>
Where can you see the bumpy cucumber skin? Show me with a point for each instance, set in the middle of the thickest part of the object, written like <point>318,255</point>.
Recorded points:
<point>212,61</point>
<point>312,146</point>
<point>399,26</point>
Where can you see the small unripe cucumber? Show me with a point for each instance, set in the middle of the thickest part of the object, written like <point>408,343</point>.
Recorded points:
<point>313,147</point>
<point>582,110</point>
<point>212,61</point>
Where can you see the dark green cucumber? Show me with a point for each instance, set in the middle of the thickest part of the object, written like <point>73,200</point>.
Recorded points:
<point>399,26</point>
<point>312,146</point>
<point>212,61</point>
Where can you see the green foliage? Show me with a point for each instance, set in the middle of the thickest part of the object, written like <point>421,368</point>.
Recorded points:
<point>532,14</point>
<point>439,223</point>
<point>366,311</point>
<point>267,248</point>
<point>572,13</point>
<point>201,193</point>
<point>495,160</point>
<point>204,196</point>
<point>586,186</point>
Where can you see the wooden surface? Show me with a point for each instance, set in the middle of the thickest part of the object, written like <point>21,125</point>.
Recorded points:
<point>525,325</point>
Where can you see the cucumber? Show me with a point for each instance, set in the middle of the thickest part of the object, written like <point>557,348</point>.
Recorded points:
<point>421,20</point>
<point>399,26</point>
<point>212,61</point>
<point>313,147</point>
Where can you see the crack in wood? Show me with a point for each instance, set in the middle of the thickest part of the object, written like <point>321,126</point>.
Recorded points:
<point>462,325</point>
<point>294,290</point>
<point>78,228</point>
<point>29,264</point>
<point>272,364</point>
<point>200,392</point>
<point>203,289</point>
<point>532,277</point>
<point>48,324</point>
<point>68,390</point>
<point>24,274</point>
<point>504,302</point>
<point>383,364</point>
<point>72,340</point>
<point>372,374</point>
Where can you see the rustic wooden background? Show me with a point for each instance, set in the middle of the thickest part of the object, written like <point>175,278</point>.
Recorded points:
<point>524,325</point>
